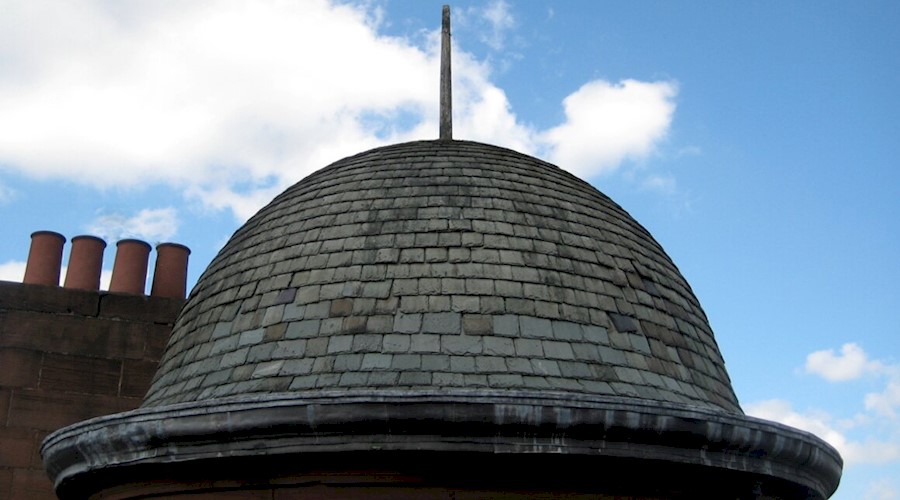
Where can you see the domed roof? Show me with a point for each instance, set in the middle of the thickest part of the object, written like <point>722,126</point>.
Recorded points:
<point>443,265</point>
<point>450,300</point>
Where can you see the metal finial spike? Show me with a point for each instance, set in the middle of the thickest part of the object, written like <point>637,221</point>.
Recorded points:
<point>446,132</point>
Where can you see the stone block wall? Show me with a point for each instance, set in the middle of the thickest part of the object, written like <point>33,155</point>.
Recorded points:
<point>67,355</point>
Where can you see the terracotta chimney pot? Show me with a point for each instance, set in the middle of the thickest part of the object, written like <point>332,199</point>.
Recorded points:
<point>170,274</point>
<point>130,267</point>
<point>85,263</point>
<point>44,258</point>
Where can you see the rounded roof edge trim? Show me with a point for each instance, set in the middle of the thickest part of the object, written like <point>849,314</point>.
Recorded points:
<point>492,421</point>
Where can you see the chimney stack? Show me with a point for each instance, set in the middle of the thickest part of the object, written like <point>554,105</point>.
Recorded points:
<point>170,274</point>
<point>85,263</point>
<point>44,258</point>
<point>130,267</point>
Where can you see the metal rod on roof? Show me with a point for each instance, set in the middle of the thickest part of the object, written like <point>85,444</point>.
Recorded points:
<point>446,132</point>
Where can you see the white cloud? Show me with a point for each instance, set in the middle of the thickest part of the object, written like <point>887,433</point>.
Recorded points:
<point>871,450</point>
<point>230,102</point>
<point>883,489</point>
<point>12,270</point>
<point>243,204</point>
<point>500,21</point>
<point>688,151</point>
<point>7,194</point>
<point>607,123</point>
<point>482,112</point>
<point>853,363</point>
<point>850,364</point>
<point>184,92</point>
<point>661,183</point>
<point>781,411</point>
<point>158,224</point>
<point>105,277</point>
<point>492,23</point>
<point>875,431</point>
<point>886,402</point>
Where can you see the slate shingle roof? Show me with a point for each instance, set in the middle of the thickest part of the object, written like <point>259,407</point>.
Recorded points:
<point>443,264</point>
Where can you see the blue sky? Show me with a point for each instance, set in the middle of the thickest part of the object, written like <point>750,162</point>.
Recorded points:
<point>758,142</point>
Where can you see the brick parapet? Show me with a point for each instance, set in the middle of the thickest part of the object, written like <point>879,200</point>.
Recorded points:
<point>67,355</point>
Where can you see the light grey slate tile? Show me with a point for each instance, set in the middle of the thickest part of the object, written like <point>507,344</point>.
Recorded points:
<point>507,325</point>
<point>499,346</point>
<point>396,343</point>
<point>448,322</point>
<point>376,361</point>
<point>461,344</point>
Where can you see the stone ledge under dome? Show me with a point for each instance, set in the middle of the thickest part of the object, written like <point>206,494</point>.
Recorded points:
<point>706,444</point>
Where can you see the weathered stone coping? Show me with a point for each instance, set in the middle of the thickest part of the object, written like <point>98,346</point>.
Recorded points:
<point>453,420</point>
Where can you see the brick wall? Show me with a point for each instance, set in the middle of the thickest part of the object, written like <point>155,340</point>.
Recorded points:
<point>65,356</point>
